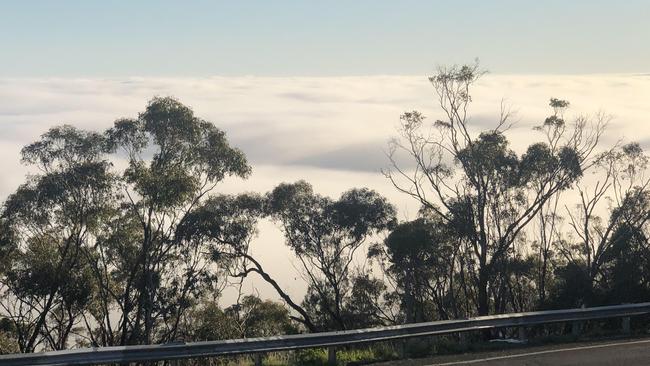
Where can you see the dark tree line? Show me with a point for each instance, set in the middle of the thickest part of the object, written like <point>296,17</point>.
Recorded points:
<point>122,237</point>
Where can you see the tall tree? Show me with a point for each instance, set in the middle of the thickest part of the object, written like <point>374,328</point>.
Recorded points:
<point>420,256</point>
<point>151,274</point>
<point>51,219</point>
<point>229,223</point>
<point>621,190</point>
<point>254,317</point>
<point>475,181</point>
<point>325,235</point>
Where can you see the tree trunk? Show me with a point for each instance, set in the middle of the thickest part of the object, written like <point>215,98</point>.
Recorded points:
<point>483,300</point>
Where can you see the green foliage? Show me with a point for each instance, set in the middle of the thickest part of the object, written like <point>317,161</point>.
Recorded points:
<point>63,147</point>
<point>482,189</point>
<point>164,263</point>
<point>489,157</point>
<point>573,289</point>
<point>337,224</point>
<point>8,243</point>
<point>418,254</point>
<point>194,145</point>
<point>628,266</point>
<point>7,344</point>
<point>558,104</point>
<point>251,317</point>
<point>325,234</point>
<point>129,250</point>
<point>349,356</point>
<point>210,323</point>
<point>227,220</point>
<point>261,318</point>
<point>369,303</point>
<point>48,221</point>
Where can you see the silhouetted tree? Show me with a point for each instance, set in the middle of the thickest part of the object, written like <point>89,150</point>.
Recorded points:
<point>419,256</point>
<point>623,188</point>
<point>255,317</point>
<point>477,183</point>
<point>325,235</point>
<point>370,303</point>
<point>627,270</point>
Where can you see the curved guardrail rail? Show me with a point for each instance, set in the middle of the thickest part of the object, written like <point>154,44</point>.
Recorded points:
<point>175,351</point>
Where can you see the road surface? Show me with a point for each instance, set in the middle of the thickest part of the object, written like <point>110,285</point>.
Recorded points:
<point>615,353</point>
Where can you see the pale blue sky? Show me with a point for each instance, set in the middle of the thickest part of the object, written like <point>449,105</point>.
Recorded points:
<point>198,38</point>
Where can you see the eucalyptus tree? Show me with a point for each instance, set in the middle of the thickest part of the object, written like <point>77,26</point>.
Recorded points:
<point>626,269</point>
<point>229,224</point>
<point>48,222</point>
<point>420,258</point>
<point>147,273</point>
<point>621,191</point>
<point>475,181</point>
<point>254,317</point>
<point>251,317</point>
<point>371,302</point>
<point>547,237</point>
<point>325,235</point>
<point>8,342</point>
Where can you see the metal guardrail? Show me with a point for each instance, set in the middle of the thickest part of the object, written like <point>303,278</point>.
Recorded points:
<point>176,351</point>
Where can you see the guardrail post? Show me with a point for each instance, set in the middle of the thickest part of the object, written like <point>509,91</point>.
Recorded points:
<point>401,349</point>
<point>522,333</point>
<point>258,359</point>
<point>576,328</point>
<point>462,340</point>
<point>331,356</point>
<point>625,324</point>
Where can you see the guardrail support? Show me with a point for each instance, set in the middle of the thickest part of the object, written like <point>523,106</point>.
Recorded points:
<point>331,356</point>
<point>401,349</point>
<point>625,324</point>
<point>462,340</point>
<point>576,328</point>
<point>522,333</point>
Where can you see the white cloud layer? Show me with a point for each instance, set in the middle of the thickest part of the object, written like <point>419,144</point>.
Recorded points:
<point>331,131</point>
